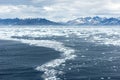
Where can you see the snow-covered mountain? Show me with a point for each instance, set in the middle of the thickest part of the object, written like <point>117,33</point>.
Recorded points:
<point>95,21</point>
<point>79,21</point>
<point>27,21</point>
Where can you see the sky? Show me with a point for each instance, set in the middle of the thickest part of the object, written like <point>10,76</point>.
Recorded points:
<point>59,10</point>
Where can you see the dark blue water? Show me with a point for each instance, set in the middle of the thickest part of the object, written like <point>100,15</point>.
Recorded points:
<point>59,53</point>
<point>18,61</point>
<point>93,62</point>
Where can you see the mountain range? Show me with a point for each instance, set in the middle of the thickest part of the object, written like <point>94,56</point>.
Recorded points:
<point>79,21</point>
<point>95,21</point>
<point>28,21</point>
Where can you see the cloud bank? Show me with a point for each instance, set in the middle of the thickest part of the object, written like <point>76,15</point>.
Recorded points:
<point>59,10</point>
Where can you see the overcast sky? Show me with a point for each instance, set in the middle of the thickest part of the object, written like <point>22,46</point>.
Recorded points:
<point>59,10</point>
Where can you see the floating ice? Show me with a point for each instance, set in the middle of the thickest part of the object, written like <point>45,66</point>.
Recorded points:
<point>104,36</point>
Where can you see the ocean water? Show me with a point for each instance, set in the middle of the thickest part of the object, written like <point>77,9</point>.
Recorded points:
<point>59,53</point>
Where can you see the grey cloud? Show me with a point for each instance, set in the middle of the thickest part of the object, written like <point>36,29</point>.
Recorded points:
<point>63,9</point>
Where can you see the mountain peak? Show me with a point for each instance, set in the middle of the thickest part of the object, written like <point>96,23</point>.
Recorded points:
<point>95,21</point>
<point>27,21</point>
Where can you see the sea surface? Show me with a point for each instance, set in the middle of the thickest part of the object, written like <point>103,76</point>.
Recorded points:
<point>59,53</point>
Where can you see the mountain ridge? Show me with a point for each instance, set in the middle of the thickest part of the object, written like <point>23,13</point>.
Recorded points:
<point>79,21</point>
<point>95,21</point>
<point>27,21</point>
